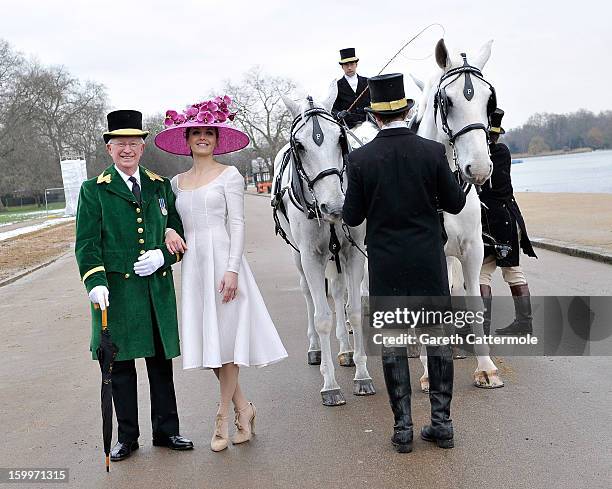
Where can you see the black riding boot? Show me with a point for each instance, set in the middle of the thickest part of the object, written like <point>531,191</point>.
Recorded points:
<point>397,380</point>
<point>440,367</point>
<point>522,309</point>
<point>485,293</point>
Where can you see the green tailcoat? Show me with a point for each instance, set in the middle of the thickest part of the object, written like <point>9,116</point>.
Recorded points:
<point>112,231</point>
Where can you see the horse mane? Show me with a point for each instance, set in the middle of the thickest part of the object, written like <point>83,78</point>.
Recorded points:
<point>430,85</point>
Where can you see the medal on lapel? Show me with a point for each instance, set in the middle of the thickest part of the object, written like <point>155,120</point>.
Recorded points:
<point>162,207</point>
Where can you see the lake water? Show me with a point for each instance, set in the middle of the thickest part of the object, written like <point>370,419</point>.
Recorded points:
<point>581,172</point>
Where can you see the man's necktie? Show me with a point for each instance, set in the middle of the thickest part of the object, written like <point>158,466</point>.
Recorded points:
<point>135,188</point>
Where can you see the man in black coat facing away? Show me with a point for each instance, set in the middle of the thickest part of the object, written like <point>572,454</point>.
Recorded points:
<point>349,88</point>
<point>396,182</point>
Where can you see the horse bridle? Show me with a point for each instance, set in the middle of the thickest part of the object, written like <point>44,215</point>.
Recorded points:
<point>318,136</point>
<point>443,103</point>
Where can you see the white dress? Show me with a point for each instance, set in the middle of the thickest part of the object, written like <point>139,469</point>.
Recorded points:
<point>212,333</point>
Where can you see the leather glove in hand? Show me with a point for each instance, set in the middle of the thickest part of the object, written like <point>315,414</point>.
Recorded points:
<point>99,295</point>
<point>149,262</point>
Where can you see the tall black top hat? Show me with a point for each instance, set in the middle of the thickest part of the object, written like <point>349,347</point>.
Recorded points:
<point>496,118</point>
<point>387,94</point>
<point>124,123</point>
<point>348,56</point>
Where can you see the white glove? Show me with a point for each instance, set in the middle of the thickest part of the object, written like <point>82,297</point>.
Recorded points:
<point>99,295</point>
<point>149,262</point>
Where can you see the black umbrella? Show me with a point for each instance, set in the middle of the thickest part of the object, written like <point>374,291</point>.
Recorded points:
<point>106,352</point>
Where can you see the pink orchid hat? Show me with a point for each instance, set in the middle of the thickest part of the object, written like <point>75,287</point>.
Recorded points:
<point>211,113</point>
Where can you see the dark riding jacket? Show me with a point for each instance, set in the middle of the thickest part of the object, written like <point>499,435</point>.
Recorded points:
<point>501,218</point>
<point>396,182</point>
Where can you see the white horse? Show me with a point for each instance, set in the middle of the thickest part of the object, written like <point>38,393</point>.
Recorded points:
<point>454,110</point>
<point>309,195</point>
<point>465,121</point>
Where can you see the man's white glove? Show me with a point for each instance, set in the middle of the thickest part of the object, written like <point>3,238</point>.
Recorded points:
<point>149,262</point>
<point>99,295</point>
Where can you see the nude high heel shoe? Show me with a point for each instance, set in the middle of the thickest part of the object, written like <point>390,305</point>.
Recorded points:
<point>244,432</point>
<point>221,435</point>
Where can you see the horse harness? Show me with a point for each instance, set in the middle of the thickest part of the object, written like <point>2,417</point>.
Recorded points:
<point>298,178</point>
<point>443,104</point>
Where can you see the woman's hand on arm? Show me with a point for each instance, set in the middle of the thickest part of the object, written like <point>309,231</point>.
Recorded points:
<point>174,242</point>
<point>229,286</point>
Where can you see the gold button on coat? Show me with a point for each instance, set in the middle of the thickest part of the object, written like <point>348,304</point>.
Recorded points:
<point>127,275</point>
<point>140,230</point>
<point>138,210</point>
<point>142,252</point>
<point>139,220</point>
<point>141,241</point>
<point>164,274</point>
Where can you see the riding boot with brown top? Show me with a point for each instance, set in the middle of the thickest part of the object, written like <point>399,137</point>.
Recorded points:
<point>523,315</point>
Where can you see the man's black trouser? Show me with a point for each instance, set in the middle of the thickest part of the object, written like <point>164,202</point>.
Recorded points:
<point>397,380</point>
<point>164,416</point>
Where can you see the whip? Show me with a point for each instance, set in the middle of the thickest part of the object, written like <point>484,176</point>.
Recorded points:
<point>395,56</point>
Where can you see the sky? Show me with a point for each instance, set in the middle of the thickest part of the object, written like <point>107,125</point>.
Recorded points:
<point>548,56</point>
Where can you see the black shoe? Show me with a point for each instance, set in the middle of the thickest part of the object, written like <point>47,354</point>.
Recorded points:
<point>174,442</point>
<point>402,441</point>
<point>397,380</point>
<point>443,437</point>
<point>515,328</point>
<point>522,310</point>
<point>121,451</point>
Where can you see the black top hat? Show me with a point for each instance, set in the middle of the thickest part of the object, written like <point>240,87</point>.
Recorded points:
<point>124,123</point>
<point>387,94</point>
<point>348,56</point>
<point>496,118</point>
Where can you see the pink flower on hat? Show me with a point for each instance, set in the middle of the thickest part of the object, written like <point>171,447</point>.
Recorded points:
<point>207,112</point>
<point>206,117</point>
<point>220,116</point>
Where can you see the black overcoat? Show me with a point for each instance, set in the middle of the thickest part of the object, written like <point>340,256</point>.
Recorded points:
<point>346,97</point>
<point>396,182</point>
<point>502,215</point>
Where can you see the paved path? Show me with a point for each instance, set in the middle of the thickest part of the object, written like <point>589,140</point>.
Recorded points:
<point>550,427</point>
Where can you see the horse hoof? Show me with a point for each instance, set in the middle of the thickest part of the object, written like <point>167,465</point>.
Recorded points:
<point>333,397</point>
<point>487,379</point>
<point>363,387</point>
<point>314,357</point>
<point>345,359</point>
<point>424,384</point>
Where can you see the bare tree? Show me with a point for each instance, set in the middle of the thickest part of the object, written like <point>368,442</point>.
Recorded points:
<point>261,112</point>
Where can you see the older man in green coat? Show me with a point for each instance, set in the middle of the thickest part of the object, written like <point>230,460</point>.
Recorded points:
<point>122,218</point>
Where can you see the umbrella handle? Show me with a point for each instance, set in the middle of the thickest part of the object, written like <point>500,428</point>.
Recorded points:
<point>104,316</point>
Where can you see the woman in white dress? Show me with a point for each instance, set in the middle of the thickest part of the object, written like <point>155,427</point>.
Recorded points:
<point>225,323</point>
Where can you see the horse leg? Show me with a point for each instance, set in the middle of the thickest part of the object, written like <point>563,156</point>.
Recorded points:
<point>314,271</point>
<point>314,346</point>
<point>337,283</point>
<point>424,380</point>
<point>486,375</point>
<point>362,382</point>
<point>365,288</point>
